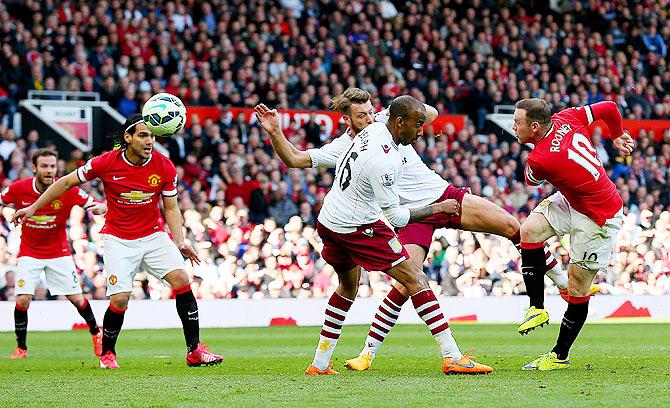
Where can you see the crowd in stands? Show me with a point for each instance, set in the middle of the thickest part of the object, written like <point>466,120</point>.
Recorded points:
<point>252,219</point>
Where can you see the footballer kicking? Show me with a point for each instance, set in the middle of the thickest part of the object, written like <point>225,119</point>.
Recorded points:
<point>353,235</point>
<point>44,247</point>
<point>586,206</point>
<point>134,177</point>
<point>418,186</point>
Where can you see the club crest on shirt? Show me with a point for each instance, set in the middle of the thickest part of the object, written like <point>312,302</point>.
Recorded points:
<point>388,179</point>
<point>113,279</point>
<point>395,245</point>
<point>545,203</point>
<point>154,180</point>
<point>368,232</point>
<point>21,283</point>
<point>386,148</point>
<point>56,204</point>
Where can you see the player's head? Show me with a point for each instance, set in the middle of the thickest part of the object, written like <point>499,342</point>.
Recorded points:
<point>137,139</point>
<point>356,108</point>
<point>532,117</point>
<point>406,118</point>
<point>45,166</point>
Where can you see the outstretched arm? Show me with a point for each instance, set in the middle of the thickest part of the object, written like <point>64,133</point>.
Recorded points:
<point>54,191</point>
<point>292,156</point>
<point>608,112</point>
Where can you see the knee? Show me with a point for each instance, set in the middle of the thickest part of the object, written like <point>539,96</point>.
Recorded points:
<point>24,300</point>
<point>530,232</point>
<point>348,287</point>
<point>414,280</point>
<point>400,288</point>
<point>77,301</point>
<point>120,300</point>
<point>177,279</point>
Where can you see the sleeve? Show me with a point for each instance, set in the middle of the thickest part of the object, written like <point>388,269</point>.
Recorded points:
<point>607,111</point>
<point>8,196</point>
<point>382,116</point>
<point>169,186</point>
<point>534,174</point>
<point>383,179</point>
<point>81,198</point>
<point>90,170</point>
<point>327,155</point>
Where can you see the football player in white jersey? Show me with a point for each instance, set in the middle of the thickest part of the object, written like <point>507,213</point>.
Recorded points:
<point>353,235</point>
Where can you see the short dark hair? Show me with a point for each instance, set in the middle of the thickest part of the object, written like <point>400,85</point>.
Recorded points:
<point>43,152</point>
<point>403,106</point>
<point>536,109</point>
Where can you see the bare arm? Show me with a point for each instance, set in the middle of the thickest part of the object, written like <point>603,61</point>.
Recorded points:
<point>292,156</point>
<point>449,206</point>
<point>174,222</point>
<point>54,191</point>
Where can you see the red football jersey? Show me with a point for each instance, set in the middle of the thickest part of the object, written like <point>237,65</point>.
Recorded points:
<point>43,235</point>
<point>566,159</point>
<point>132,192</point>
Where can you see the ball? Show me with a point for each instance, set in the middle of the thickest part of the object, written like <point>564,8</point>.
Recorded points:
<point>164,114</point>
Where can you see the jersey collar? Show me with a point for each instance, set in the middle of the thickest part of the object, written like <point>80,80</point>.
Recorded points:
<point>125,159</point>
<point>35,185</point>
<point>551,128</point>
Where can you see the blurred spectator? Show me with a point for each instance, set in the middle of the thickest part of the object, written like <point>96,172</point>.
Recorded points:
<point>251,220</point>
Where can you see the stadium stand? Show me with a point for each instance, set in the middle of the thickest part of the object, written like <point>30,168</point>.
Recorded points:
<point>251,219</point>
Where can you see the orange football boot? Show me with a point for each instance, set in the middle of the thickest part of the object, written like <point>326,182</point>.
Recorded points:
<point>312,370</point>
<point>19,353</point>
<point>466,365</point>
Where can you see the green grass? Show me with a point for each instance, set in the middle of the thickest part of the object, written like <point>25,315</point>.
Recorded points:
<point>612,365</point>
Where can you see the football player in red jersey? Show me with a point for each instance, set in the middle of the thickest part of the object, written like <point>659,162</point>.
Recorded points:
<point>135,178</point>
<point>586,206</point>
<point>44,247</point>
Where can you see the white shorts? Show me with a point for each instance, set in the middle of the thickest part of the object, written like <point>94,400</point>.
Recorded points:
<point>155,254</point>
<point>591,245</point>
<point>60,272</point>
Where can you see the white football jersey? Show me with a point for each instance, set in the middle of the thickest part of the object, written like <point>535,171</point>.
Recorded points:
<point>366,183</point>
<point>417,187</point>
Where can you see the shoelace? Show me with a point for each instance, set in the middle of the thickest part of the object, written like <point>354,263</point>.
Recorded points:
<point>467,354</point>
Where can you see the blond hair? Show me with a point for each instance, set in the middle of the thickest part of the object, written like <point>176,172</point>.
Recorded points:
<point>342,103</point>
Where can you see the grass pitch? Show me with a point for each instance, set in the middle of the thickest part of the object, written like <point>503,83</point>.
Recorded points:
<point>612,365</point>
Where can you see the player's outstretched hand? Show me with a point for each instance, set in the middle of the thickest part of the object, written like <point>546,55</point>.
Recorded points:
<point>624,144</point>
<point>188,252</point>
<point>450,206</point>
<point>22,215</point>
<point>268,118</point>
<point>98,208</point>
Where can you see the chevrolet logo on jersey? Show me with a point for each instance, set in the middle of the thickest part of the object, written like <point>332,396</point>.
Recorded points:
<point>42,219</point>
<point>136,196</point>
